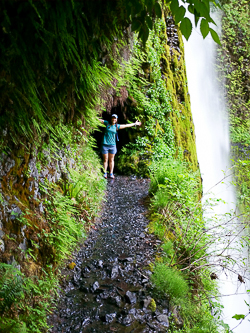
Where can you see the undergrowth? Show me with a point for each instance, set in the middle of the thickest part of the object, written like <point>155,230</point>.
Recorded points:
<point>182,271</point>
<point>25,301</point>
<point>233,65</point>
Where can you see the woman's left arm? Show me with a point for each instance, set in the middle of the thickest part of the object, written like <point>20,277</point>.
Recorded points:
<point>137,123</point>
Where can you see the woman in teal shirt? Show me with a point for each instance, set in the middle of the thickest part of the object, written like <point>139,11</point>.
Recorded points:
<point>109,143</point>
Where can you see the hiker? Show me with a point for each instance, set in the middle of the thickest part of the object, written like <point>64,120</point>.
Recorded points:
<point>109,143</point>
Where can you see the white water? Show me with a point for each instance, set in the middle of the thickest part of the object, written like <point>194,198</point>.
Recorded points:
<point>213,149</point>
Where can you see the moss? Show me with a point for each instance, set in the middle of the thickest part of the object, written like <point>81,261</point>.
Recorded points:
<point>152,305</point>
<point>167,126</point>
<point>233,67</point>
<point>175,71</point>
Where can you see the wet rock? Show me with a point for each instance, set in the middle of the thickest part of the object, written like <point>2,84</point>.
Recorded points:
<point>84,289</point>
<point>95,286</point>
<point>2,245</point>
<point>86,321</point>
<point>100,264</point>
<point>130,297</point>
<point>116,300</point>
<point>128,320</point>
<point>146,302</point>
<point>163,319</point>
<point>108,318</point>
<point>114,272</point>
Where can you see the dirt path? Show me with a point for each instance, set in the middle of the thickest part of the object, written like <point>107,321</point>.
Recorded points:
<point>110,290</point>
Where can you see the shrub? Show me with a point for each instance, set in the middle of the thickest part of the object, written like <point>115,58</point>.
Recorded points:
<point>169,281</point>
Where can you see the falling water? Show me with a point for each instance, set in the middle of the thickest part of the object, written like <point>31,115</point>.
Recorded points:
<point>213,149</point>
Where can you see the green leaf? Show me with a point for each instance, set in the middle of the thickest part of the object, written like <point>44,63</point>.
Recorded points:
<point>174,6</point>
<point>149,4</point>
<point>246,303</point>
<point>180,14</point>
<point>206,2</point>
<point>186,27</point>
<point>157,8</point>
<point>204,27</point>
<point>128,8</point>
<point>215,36</point>
<point>202,10</point>
<point>143,34</point>
<point>149,22</point>
<point>191,9</point>
<point>138,7</point>
<point>136,24</point>
<point>238,316</point>
<point>196,17</point>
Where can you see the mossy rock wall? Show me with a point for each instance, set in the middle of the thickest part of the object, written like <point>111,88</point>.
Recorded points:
<point>233,64</point>
<point>159,98</point>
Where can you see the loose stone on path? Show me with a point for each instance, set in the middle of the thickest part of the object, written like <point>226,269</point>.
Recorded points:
<point>110,289</point>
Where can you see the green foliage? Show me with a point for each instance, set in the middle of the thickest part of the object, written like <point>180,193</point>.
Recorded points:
<point>65,228</point>
<point>234,56</point>
<point>70,207</point>
<point>182,271</point>
<point>172,181</point>
<point>30,298</point>
<point>53,75</point>
<point>11,286</point>
<point>153,99</point>
<point>201,11</point>
<point>170,282</point>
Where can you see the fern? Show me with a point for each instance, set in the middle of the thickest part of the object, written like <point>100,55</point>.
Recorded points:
<point>11,286</point>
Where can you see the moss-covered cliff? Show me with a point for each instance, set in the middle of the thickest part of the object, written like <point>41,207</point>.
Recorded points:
<point>78,64</point>
<point>233,63</point>
<point>158,96</point>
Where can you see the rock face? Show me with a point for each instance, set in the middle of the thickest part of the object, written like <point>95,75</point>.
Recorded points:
<point>109,288</point>
<point>20,179</point>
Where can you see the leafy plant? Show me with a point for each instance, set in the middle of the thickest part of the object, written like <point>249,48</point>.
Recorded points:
<point>170,282</point>
<point>11,286</point>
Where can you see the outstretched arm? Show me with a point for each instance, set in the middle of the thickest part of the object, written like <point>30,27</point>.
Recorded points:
<point>101,120</point>
<point>137,123</point>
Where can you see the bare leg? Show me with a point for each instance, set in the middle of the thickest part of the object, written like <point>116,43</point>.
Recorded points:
<point>111,162</point>
<point>105,162</point>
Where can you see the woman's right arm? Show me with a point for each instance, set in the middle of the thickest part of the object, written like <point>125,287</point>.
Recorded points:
<point>101,120</point>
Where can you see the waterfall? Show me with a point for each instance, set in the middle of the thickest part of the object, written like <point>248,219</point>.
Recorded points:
<point>213,150</point>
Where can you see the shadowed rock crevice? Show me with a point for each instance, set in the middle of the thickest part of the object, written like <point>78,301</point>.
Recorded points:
<point>110,289</point>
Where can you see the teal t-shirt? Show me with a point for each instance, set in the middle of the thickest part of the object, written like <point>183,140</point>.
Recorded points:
<point>110,133</point>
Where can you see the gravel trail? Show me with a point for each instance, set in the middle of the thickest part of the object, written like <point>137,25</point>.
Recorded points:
<point>109,289</point>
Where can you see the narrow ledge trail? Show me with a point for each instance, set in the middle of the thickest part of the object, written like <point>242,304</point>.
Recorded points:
<point>110,289</point>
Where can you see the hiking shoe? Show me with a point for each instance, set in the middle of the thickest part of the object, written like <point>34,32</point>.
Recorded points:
<point>111,175</point>
<point>105,175</point>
